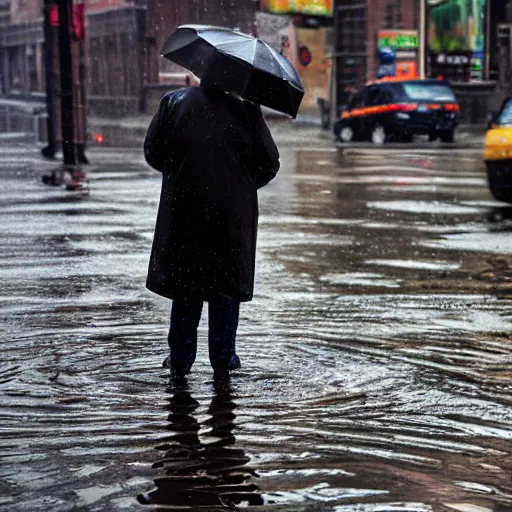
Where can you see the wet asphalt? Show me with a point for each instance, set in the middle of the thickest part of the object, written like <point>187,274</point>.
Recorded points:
<point>376,354</point>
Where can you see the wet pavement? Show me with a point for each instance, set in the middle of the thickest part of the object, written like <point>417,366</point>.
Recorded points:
<point>376,353</point>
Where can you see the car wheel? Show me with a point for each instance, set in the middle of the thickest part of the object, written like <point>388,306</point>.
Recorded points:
<point>378,134</point>
<point>346,134</point>
<point>432,136</point>
<point>447,136</point>
<point>499,185</point>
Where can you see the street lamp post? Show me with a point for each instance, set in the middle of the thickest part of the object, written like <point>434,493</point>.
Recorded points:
<point>50,150</point>
<point>66,78</point>
<point>423,36</point>
<point>73,138</point>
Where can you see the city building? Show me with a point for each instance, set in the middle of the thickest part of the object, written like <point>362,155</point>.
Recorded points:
<point>5,12</point>
<point>357,25</point>
<point>302,32</point>
<point>114,57</point>
<point>21,46</point>
<point>466,41</point>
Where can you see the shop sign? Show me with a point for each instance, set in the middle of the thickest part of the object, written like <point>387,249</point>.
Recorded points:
<point>387,62</point>
<point>451,65</point>
<point>404,46</point>
<point>406,55</point>
<point>305,7</point>
<point>453,59</point>
<point>305,56</point>
<point>398,39</point>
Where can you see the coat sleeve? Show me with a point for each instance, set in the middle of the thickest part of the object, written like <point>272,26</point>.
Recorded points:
<point>155,141</point>
<point>266,154</point>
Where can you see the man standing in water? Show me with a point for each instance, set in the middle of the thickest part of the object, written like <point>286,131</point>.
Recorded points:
<point>214,151</point>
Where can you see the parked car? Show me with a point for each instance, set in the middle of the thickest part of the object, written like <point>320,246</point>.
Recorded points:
<point>498,153</point>
<point>398,109</point>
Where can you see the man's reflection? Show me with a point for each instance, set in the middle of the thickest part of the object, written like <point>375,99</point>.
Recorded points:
<point>202,471</point>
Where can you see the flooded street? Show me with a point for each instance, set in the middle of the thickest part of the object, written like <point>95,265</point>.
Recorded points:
<point>376,355</point>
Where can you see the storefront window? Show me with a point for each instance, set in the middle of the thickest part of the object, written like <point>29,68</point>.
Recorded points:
<point>456,38</point>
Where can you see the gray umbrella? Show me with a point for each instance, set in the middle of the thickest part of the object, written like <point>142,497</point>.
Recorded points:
<point>235,62</point>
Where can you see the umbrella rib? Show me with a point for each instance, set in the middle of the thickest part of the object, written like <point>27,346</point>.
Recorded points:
<point>254,53</point>
<point>231,41</point>
<point>277,60</point>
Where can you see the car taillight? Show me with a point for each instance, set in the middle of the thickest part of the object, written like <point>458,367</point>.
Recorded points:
<point>406,107</point>
<point>452,107</point>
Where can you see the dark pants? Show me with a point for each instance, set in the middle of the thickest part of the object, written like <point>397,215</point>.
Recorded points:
<point>222,325</point>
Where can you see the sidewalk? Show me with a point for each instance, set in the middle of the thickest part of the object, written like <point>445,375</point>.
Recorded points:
<point>130,131</point>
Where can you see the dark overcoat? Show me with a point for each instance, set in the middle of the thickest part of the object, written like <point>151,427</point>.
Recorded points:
<point>214,151</point>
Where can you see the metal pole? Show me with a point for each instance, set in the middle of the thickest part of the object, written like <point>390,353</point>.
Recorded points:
<point>66,81</point>
<point>487,58</point>
<point>423,31</point>
<point>333,100</point>
<point>51,148</point>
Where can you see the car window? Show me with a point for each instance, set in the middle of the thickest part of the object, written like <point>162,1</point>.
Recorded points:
<point>505,116</point>
<point>428,92</point>
<point>383,94</point>
<point>386,95</point>
<point>396,93</point>
<point>356,101</point>
<point>365,96</point>
<point>375,96</point>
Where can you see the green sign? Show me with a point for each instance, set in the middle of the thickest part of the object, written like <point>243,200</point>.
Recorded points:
<point>399,39</point>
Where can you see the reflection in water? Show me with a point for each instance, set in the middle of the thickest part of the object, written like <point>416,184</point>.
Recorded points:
<point>357,395</point>
<point>202,470</point>
<point>500,214</point>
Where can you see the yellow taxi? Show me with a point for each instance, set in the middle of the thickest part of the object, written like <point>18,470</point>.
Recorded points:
<point>498,153</point>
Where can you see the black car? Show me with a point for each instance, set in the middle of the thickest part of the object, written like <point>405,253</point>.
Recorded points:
<point>398,110</point>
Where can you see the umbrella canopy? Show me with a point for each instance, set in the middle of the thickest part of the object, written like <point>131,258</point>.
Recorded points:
<point>235,62</point>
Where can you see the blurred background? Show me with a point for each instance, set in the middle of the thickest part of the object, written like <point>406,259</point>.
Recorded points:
<point>336,45</point>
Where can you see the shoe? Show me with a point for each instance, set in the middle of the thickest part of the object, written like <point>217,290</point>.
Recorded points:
<point>221,376</point>
<point>176,373</point>
<point>234,363</point>
<point>179,377</point>
<point>222,373</point>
